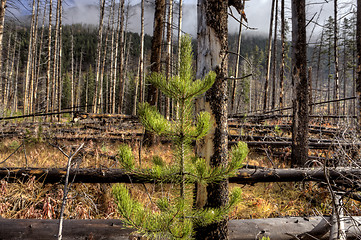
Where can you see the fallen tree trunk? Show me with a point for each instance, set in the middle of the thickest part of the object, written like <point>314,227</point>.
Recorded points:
<point>282,144</point>
<point>247,229</point>
<point>244,176</point>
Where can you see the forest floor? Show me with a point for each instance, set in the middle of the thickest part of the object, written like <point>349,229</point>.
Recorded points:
<point>33,199</point>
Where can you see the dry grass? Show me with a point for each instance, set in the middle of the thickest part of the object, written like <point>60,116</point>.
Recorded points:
<point>90,201</point>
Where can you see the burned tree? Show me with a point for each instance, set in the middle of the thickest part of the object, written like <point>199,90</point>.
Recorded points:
<point>358,43</point>
<point>212,55</point>
<point>155,59</point>
<point>300,85</point>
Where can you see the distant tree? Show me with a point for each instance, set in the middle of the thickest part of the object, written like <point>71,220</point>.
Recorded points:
<point>269,55</point>
<point>29,64</point>
<point>236,73</point>
<point>139,78</point>
<point>2,22</point>
<point>48,69</point>
<point>98,87</point>
<point>257,60</point>
<point>283,42</point>
<point>168,68</point>
<point>335,52</point>
<point>274,58</point>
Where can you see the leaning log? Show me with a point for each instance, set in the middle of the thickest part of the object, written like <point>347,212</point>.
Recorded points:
<point>247,229</point>
<point>244,176</point>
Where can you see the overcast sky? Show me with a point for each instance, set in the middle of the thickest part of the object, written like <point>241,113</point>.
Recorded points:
<point>257,11</point>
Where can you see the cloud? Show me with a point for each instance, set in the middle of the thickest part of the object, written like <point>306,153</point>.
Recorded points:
<point>258,14</point>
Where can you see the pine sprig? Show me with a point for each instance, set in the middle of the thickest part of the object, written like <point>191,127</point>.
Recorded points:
<point>174,218</point>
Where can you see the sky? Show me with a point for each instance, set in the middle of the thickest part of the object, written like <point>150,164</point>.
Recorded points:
<point>257,11</point>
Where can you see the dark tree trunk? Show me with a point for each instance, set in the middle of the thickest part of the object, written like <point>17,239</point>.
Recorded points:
<point>155,59</point>
<point>116,175</point>
<point>358,43</point>
<point>300,85</point>
<point>2,22</point>
<point>269,54</point>
<point>212,55</point>
<point>282,67</point>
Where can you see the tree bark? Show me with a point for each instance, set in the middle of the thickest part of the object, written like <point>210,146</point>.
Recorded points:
<point>113,229</point>
<point>236,73</point>
<point>274,58</point>
<point>269,54</point>
<point>168,70</point>
<point>247,229</point>
<point>348,176</point>
<point>283,42</point>
<point>48,70</point>
<point>98,88</point>
<point>2,22</point>
<point>358,69</point>
<point>155,59</point>
<point>156,54</point>
<point>212,55</point>
<point>29,63</point>
<point>139,77</point>
<point>300,85</point>
<point>335,49</point>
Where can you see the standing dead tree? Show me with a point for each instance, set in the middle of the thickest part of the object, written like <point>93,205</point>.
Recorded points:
<point>98,88</point>
<point>2,22</point>
<point>335,49</point>
<point>358,43</point>
<point>140,74</point>
<point>283,42</point>
<point>212,55</point>
<point>300,85</point>
<point>155,59</point>
<point>236,73</point>
<point>269,54</point>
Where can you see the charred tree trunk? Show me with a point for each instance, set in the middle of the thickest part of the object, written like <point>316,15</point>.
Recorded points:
<point>119,44</point>
<point>169,54</point>
<point>300,85</point>
<point>2,22</point>
<point>247,229</point>
<point>282,69</point>
<point>48,70</point>
<point>212,55</point>
<point>274,59</point>
<point>335,49</point>
<point>155,59</point>
<point>236,73</point>
<point>98,88</point>
<point>60,57</point>
<point>139,77</point>
<point>269,54</point>
<point>29,63</point>
<point>358,43</point>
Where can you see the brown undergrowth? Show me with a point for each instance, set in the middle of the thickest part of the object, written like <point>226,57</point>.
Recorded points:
<point>34,199</point>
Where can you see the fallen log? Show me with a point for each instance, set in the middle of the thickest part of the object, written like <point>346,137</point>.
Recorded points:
<point>282,144</point>
<point>244,176</point>
<point>12,229</point>
<point>289,228</point>
<point>247,229</point>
